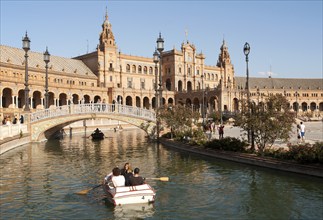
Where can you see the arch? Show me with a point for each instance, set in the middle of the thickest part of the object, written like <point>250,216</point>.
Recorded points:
<point>139,69</point>
<point>189,86</point>
<point>120,100</point>
<point>134,69</point>
<point>75,98</point>
<point>146,104</point>
<point>129,100</point>
<point>295,106</point>
<point>180,85</point>
<point>51,100</point>
<point>150,70</point>
<point>168,84</point>
<point>6,97</point>
<point>128,68</point>
<point>97,98</point>
<point>313,106</point>
<point>196,104</point>
<point>21,98</point>
<point>138,101</point>
<point>36,99</point>
<point>321,106</point>
<point>86,98</point>
<point>153,101</point>
<point>62,100</point>
<point>304,106</point>
<point>235,105</point>
<point>145,69</point>
<point>170,101</point>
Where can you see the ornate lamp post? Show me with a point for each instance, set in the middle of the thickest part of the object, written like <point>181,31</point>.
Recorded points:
<point>26,47</point>
<point>156,60</point>
<point>246,51</point>
<point>46,59</point>
<point>160,48</point>
<point>202,99</point>
<point>296,94</point>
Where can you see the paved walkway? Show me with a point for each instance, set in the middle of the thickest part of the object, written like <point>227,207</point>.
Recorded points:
<point>313,133</point>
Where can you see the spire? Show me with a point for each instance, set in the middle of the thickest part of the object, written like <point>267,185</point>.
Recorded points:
<point>224,56</point>
<point>106,36</point>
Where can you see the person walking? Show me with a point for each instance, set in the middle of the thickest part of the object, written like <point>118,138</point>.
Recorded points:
<point>221,131</point>
<point>302,131</point>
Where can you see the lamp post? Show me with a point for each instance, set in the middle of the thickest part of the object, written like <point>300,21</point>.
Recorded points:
<point>26,47</point>
<point>160,48</point>
<point>202,99</point>
<point>46,59</point>
<point>156,60</point>
<point>246,51</point>
<point>296,94</point>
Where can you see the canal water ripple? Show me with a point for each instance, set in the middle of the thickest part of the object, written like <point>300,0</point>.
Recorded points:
<point>39,181</point>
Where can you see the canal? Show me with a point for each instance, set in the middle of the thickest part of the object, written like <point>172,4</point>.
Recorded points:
<point>39,181</point>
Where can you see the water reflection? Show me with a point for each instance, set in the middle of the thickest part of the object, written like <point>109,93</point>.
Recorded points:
<point>39,181</point>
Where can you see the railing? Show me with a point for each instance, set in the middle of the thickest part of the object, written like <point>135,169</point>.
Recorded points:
<point>12,130</point>
<point>93,108</point>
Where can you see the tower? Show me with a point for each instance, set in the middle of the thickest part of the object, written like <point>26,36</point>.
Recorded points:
<point>107,55</point>
<point>227,69</point>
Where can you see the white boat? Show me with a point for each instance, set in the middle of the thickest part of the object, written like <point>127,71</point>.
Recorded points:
<point>122,195</point>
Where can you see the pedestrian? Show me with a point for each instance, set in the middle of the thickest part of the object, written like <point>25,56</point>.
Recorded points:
<point>14,120</point>
<point>21,119</point>
<point>302,131</point>
<point>298,132</point>
<point>221,131</point>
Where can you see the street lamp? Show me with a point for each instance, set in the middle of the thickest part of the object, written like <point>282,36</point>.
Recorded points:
<point>296,94</point>
<point>160,48</point>
<point>26,47</point>
<point>156,60</point>
<point>46,59</point>
<point>246,51</point>
<point>202,99</point>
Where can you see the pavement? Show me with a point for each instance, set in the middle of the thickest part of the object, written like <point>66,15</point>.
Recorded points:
<point>313,133</point>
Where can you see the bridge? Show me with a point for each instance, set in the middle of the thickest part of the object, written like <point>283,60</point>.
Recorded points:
<point>44,123</point>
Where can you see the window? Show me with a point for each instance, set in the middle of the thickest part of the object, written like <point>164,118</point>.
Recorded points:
<point>128,68</point>
<point>150,70</point>
<point>133,69</point>
<point>145,70</point>
<point>139,69</point>
<point>110,78</point>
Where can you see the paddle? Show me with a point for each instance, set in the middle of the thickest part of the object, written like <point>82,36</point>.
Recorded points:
<point>164,179</point>
<point>86,191</point>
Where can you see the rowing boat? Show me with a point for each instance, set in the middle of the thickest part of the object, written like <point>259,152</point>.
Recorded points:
<point>122,195</point>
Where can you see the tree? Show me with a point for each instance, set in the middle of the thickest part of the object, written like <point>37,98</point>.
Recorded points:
<point>267,121</point>
<point>178,118</point>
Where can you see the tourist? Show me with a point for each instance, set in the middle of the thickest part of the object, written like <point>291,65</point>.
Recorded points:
<point>298,127</point>
<point>115,178</point>
<point>302,131</point>
<point>14,120</point>
<point>136,180</point>
<point>126,171</point>
<point>21,119</point>
<point>221,131</point>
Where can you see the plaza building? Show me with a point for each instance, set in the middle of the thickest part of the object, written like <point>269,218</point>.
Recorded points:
<point>106,75</point>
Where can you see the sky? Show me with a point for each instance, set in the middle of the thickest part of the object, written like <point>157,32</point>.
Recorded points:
<point>285,36</point>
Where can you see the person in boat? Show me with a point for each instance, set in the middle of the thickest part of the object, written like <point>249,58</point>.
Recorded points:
<point>115,179</point>
<point>126,171</point>
<point>136,180</point>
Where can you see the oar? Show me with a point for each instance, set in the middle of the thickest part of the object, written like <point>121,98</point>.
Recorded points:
<point>85,191</point>
<point>164,179</point>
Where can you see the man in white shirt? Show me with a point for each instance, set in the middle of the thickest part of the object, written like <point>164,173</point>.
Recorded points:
<point>116,178</point>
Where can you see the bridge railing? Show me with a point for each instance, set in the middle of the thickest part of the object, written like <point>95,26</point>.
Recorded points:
<point>93,108</point>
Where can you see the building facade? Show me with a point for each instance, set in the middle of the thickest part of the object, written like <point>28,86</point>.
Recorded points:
<point>107,75</point>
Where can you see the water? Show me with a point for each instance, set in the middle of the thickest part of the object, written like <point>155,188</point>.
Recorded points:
<point>39,181</point>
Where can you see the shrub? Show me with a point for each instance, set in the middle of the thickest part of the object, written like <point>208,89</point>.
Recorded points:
<point>227,144</point>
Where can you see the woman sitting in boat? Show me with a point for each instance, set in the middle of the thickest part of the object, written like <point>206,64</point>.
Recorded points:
<point>136,180</point>
<point>126,171</point>
<point>115,179</point>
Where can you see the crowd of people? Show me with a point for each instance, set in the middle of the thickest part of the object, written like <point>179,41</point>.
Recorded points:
<point>8,121</point>
<point>124,177</point>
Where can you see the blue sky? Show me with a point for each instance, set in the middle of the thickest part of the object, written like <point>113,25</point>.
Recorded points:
<point>285,36</point>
